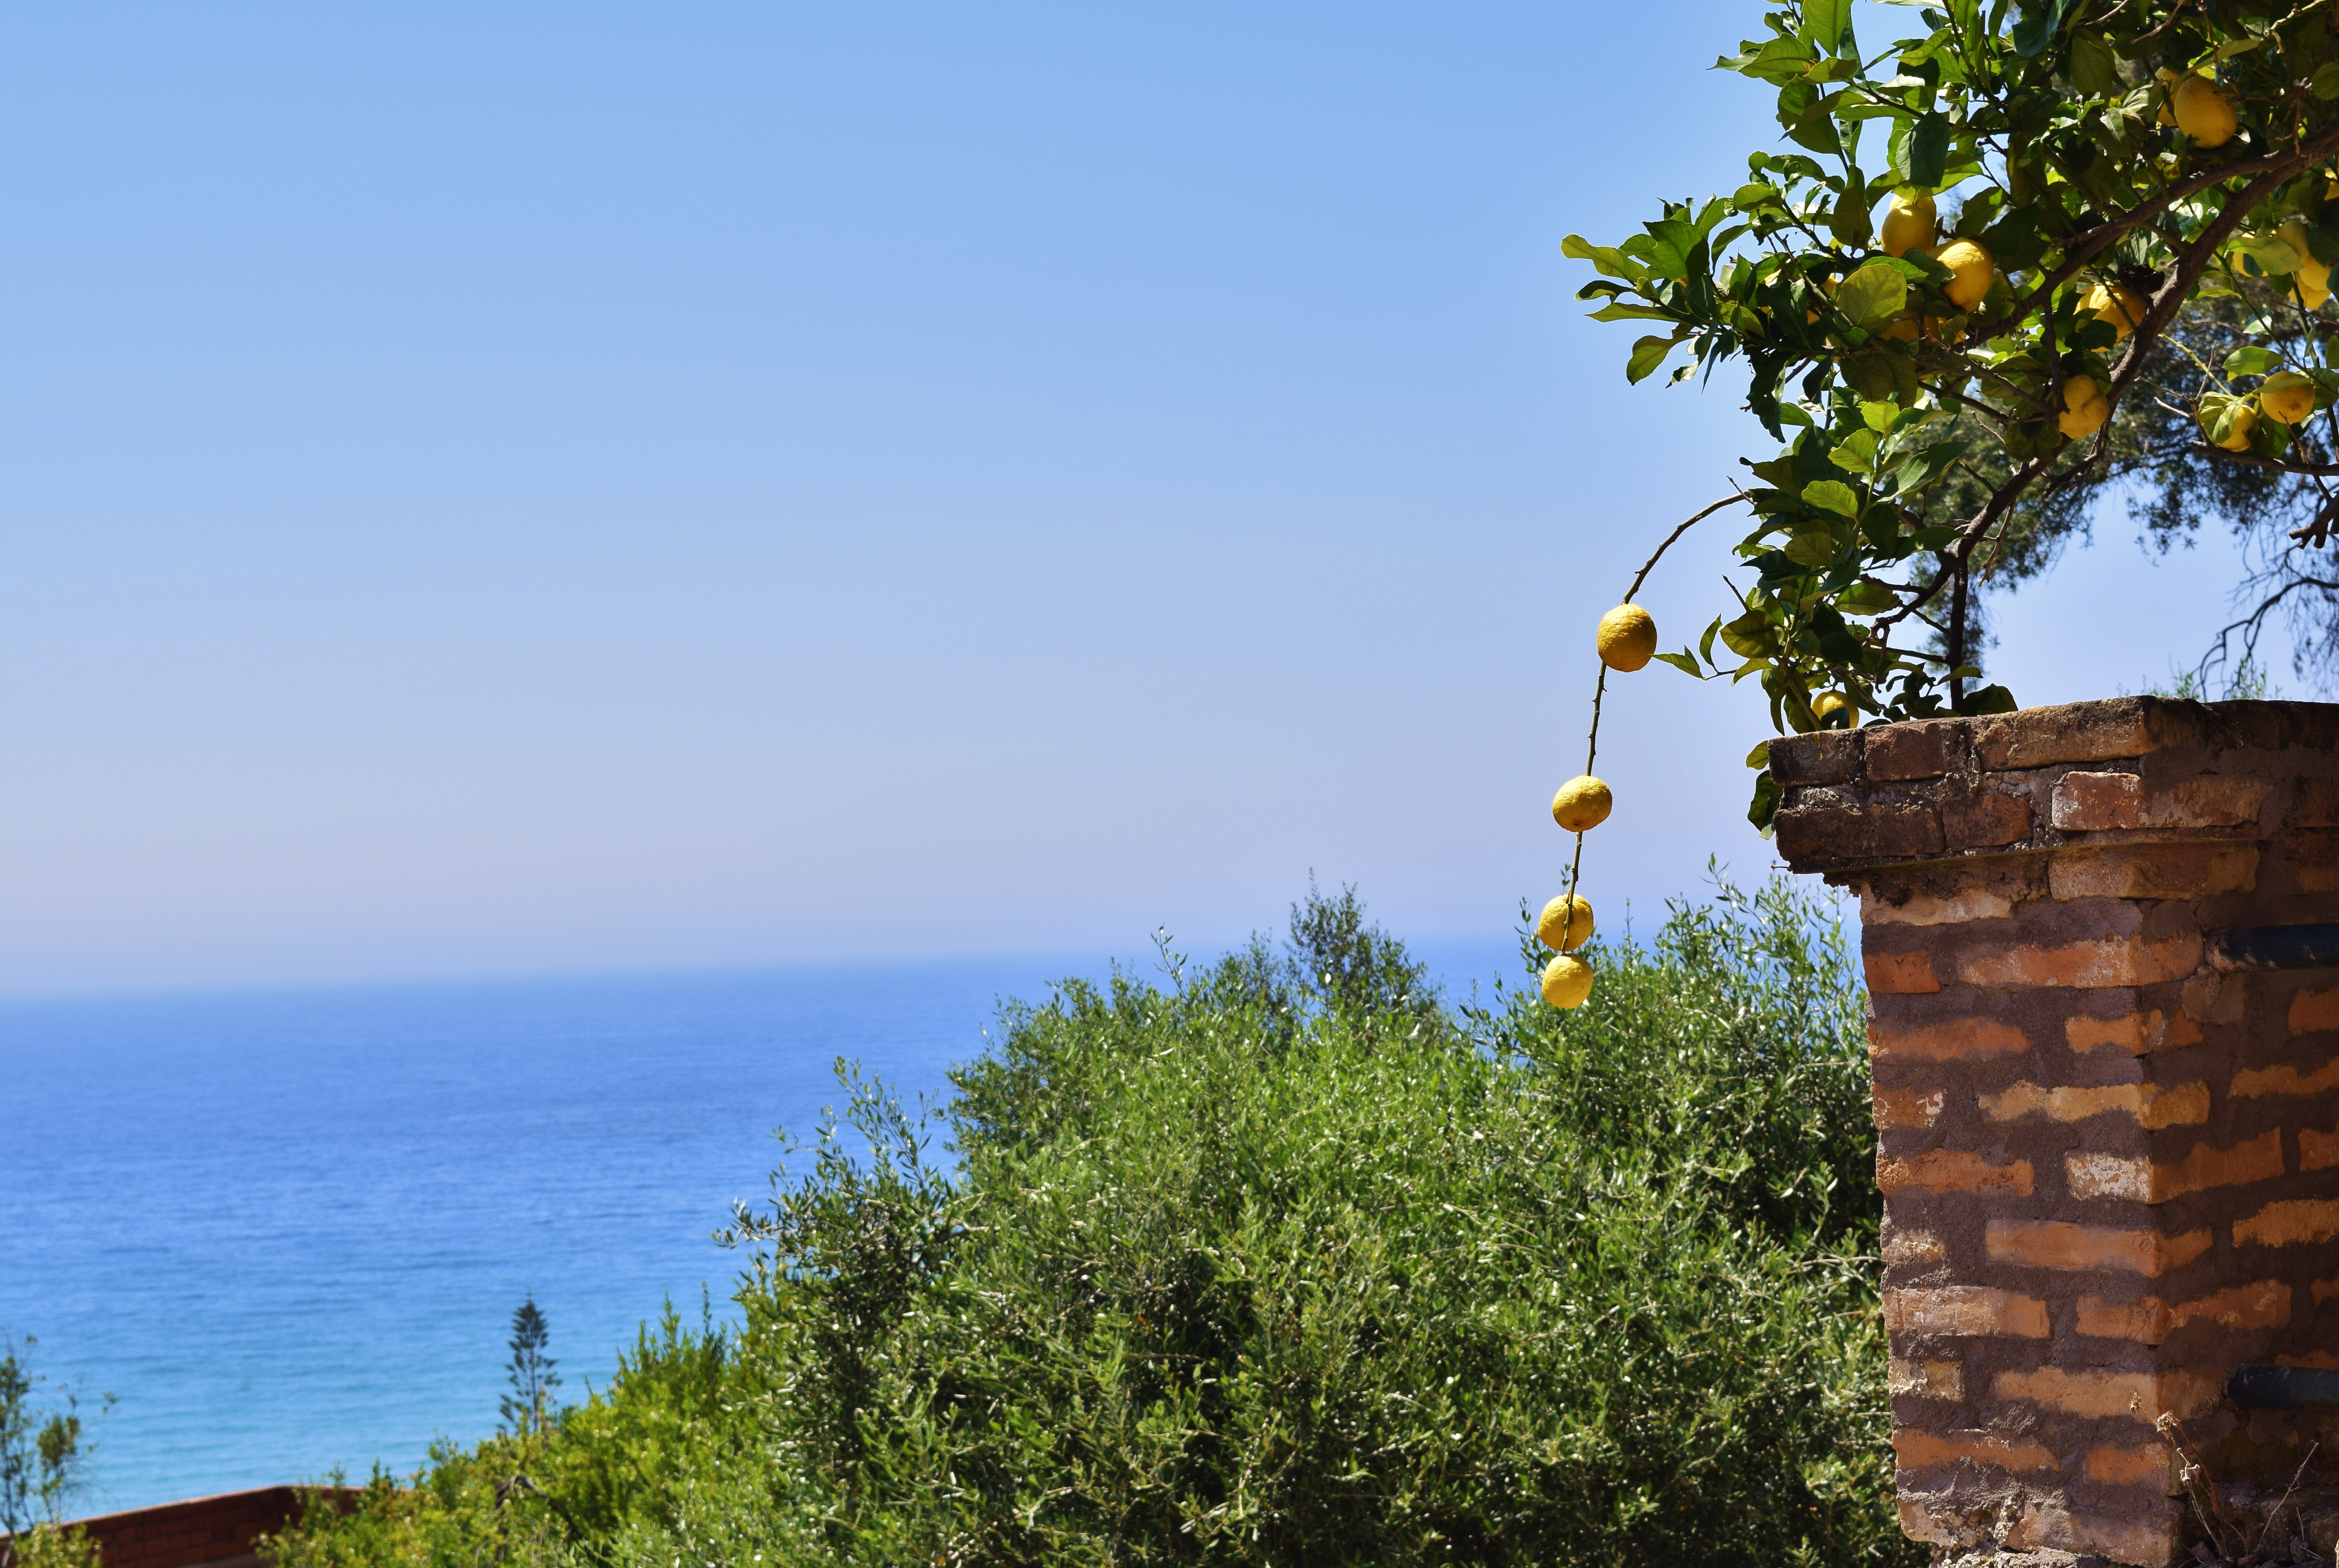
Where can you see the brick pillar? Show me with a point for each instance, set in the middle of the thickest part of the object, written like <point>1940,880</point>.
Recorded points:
<point>2110,1168</point>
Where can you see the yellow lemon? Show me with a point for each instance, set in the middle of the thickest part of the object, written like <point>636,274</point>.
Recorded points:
<point>1903,327</point>
<point>1628,638</point>
<point>2313,277</point>
<point>1582,804</point>
<point>2204,111</point>
<point>2122,307</point>
<point>2237,434</point>
<point>2167,77</point>
<point>2287,396</point>
<point>1908,225</point>
<point>1567,982</point>
<point>1827,702</point>
<point>1561,929</point>
<point>2084,407</point>
<point>1971,272</point>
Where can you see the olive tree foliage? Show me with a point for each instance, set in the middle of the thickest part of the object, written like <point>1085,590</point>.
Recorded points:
<point>2004,261</point>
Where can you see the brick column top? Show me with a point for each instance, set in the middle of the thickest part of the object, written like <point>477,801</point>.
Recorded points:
<point>2129,770</point>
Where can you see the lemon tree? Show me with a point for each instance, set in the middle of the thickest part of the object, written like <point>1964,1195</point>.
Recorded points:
<point>1982,256</point>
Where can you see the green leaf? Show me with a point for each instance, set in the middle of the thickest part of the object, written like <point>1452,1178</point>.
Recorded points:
<point>1760,757</point>
<point>1920,151</point>
<point>1833,496</point>
<point>1648,354</point>
<point>1747,637</point>
<point>1765,804</point>
<point>1826,24</point>
<point>2041,20</point>
<point>1683,661</point>
<point>1873,295</point>
<point>1925,467</point>
<point>2324,83</point>
<point>1880,417</point>
<point>2252,361</point>
<point>2095,68</point>
<point>2273,257</point>
<point>1752,197</point>
<point>1857,453</point>
<point>1867,599</point>
<point>1816,550</point>
<point>1617,311</point>
<point>1989,700</point>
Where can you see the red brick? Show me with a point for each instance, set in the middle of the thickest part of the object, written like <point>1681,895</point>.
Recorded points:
<point>2143,1466</point>
<point>2316,804</point>
<point>1984,820</point>
<point>2265,1303</point>
<point>2205,803</point>
<point>1943,1041</point>
<point>1927,1379</point>
<point>1907,1108</point>
<point>2092,803</point>
<point>2152,1105</point>
<point>2097,1393</point>
<point>2258,1159</point>
<point>2138,1034</point>
<point>1899,974</point>
<point>1953,1171</point>
<point>2153,871</point>
<point>2260,1083</point>
<point>2317,1150</point>
<point>2109,962</point>
<point>1918,1450</point>
<point>1917,750</point>
<point>1829,756</point>
<point>2314,1012</point>
<point>1965,1310</point>
<point>1856,833</point>
<point>2287,1222</point>
<point>1959,908</point>
<point>2058,1244</point>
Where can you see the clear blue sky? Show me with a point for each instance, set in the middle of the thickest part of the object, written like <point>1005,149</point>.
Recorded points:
<point>504,489</point>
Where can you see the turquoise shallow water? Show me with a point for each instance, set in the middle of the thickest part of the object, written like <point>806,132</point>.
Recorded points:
<point>289,1230</point>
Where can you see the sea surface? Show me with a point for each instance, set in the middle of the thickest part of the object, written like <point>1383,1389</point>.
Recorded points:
<point>288,1230</point>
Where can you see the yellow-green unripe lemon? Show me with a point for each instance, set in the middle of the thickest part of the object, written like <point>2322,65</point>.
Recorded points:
<point>1628,638</point>
<point>1562,932</point>
<point>2204,111</point>
<point>1582,804</point>
<point>2084,407</point>
<point>1908,226</point>
<point>1567,982</point>
<point>1971,272</point>
<point>2237,433</point>
<point>2287,396</point>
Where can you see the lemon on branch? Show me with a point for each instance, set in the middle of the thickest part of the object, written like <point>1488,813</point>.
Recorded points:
<point>1565,923</point>
<point>1830,702</point>
<point>1627,638</point>
<point>2312,278</point>
<point>2238,418</point>
<point>1971,272</point>
<point>2084,407</point>
<point>1582,804</point>
<point>2122,307</point>
<point>1567,982</point>
<point>1908,226</point>
<point>2287,396</point>
<point>2204,111</point>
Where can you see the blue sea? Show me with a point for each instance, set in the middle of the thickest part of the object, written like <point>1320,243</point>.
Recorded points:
<point>288,1230</point>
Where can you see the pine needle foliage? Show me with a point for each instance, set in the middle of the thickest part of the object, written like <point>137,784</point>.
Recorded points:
<point>1283,1260</point>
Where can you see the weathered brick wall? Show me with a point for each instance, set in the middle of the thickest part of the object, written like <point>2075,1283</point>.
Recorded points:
<point>2111,1170</point>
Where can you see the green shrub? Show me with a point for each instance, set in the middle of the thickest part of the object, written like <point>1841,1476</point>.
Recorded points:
<point>1287,1261</point>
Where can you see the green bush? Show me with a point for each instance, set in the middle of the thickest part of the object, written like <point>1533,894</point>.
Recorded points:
<point>1284,1261</point>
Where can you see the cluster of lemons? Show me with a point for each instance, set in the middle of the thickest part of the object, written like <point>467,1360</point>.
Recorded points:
<point>1627,639</point>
